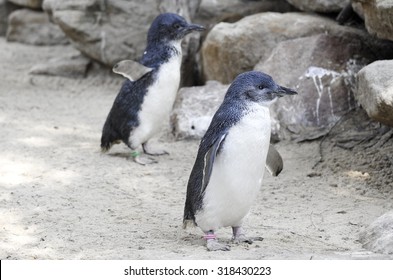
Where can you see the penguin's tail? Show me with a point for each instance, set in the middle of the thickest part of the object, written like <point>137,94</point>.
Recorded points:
<point>188,223</point>
<point>106,143</point>
<point>105,146</point>
<point>108,138</point>
<point>189,216</point>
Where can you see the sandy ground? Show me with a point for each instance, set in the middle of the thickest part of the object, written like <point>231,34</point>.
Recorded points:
<point>60,198</point>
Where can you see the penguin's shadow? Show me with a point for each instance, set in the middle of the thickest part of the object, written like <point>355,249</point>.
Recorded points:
<point>197,240</point>
<point>124,155</point>
<point>194,240</point>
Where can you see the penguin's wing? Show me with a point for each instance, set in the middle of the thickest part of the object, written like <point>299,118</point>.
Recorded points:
<point>274,162</point>
<point>209,148</point>
<point>200,174</point>
<point>130,69</point>
<point>210,156</point>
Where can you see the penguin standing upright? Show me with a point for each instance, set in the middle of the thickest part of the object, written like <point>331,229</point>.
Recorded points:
<point>146,98</point>
<point>230,163</point>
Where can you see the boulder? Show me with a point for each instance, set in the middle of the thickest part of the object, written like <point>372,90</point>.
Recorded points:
<point>323,77</point>
<point>73,66</point>
<point>194,109</point>
<point>33,4</point>
<point>33,27</point>
<point>378,237</point>
<point>111,31</point>
<point>212,11</point>
<point>232,48</point>
<point>375,90</point>
<point>320,6</point>
<point>378,16</point>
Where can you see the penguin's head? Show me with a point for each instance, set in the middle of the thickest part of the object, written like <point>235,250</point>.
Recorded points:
<point>255,86</point>
<point>170,27</point>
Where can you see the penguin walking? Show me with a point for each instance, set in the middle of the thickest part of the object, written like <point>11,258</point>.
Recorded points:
<point>147,96</point>
<point>231,159</point>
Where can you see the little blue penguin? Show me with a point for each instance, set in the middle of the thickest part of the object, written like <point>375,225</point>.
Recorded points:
<point>147,96</point>
<point>231,159</point>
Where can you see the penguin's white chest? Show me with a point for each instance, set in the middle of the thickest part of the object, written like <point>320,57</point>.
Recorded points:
<point>237,172</point>
<point>158,102</point>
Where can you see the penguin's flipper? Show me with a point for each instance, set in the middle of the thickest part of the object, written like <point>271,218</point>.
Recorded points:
<point>130,69</point>
<point>200,174</point>
<point>210,156</point>
<point>274,162</point>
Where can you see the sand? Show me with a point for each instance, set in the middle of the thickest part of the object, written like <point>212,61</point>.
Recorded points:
<point>60,198</point>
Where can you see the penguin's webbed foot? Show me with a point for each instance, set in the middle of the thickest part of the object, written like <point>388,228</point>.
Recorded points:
<point>142,159</point>
<point>153,151</point>
<point>214,245</point>
<point>239,236</point>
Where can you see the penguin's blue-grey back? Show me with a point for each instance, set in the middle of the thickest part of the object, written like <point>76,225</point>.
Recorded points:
<point>123,116</point>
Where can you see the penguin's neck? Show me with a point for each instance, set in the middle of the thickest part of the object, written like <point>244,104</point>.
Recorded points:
<point>159,53</point>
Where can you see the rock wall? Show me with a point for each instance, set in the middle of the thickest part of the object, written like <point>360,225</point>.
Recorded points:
<point>232,48</point>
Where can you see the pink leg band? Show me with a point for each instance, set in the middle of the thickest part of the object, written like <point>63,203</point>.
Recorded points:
<point>209,236</point>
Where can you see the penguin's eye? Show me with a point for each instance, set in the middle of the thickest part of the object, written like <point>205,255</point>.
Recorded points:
<point>177,26</point>
<point>260,87</point>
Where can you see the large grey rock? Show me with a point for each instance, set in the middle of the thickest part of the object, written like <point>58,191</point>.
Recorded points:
<point>34,4</point>
<point>232,48</point>
<point>111,31</point>
<point>212,11</point>
<point>194,109</point>
<point>319,6</point>
<point>378,237</point>
<point>375,90</point>
<point>33,27</point>
<point>73,66</point>
<point>324,78</point>
<point>378,16</point>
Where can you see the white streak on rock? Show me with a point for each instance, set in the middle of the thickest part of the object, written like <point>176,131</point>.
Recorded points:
<point>317,73</point>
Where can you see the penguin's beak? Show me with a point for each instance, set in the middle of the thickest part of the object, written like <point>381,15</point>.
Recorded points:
<point>188,29</point>
<point>193,27</point>
<point>282,91</point>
